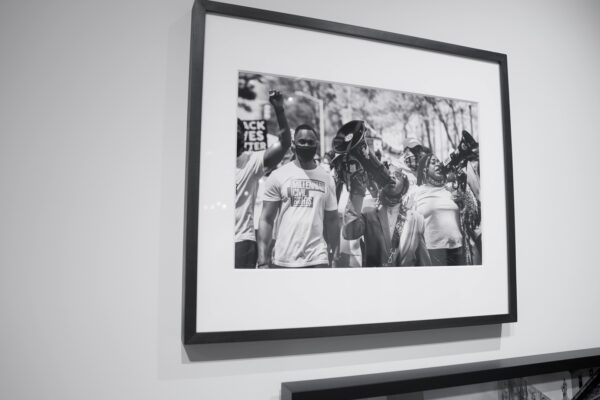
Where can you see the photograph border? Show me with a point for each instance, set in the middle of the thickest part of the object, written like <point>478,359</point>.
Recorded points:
<point>199,11</point>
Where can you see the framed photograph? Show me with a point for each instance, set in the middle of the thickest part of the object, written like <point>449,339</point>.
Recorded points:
<point>573,375</point>
<point>370,189</point>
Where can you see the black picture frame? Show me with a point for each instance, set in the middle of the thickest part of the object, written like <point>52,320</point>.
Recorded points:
<point>404,382</point>
<point>201,9</point>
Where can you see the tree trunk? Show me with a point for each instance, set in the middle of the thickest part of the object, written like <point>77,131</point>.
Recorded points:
<point>440,116</point>
<point>454,125</point>
<point>428,130</point>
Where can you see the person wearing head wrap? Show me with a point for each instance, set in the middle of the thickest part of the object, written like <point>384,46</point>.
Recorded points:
<point>393,235</point>
<point>412,152</point>
<point>442,219</point>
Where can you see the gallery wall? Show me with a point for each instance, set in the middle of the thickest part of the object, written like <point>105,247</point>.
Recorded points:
<point>93,102</point>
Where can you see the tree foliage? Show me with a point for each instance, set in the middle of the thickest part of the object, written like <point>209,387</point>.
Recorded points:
<point>394,116</point>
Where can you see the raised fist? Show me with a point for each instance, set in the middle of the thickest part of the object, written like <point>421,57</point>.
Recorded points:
<point>276,99</point>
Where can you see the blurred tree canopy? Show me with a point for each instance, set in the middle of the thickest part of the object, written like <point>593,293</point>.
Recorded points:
<point>394,116</point>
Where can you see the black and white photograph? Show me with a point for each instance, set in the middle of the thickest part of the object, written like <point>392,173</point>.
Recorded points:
<point>578,384</point>
<point>335,175</point>
<point>378,167</point>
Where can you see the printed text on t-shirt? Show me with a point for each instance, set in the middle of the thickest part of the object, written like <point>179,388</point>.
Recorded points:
<point>300,190</point>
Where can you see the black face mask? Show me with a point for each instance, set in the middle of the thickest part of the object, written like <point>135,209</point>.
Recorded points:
<point>306,153</point>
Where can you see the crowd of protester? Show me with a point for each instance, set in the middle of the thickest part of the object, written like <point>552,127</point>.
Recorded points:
<point>426,214</point>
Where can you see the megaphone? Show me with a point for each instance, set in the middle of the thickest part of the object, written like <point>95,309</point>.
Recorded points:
<point>467,150</point>
<point>350,144</point>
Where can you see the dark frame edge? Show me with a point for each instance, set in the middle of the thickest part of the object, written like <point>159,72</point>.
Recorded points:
<point>399,382</point>
<point>344,330</point>
<point>347,30</point>
<point>192,179</point>
<point>509,188</point>
<point>189,331</point>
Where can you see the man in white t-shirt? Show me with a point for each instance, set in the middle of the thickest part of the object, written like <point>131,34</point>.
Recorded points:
<point>304,196</point>
<point>250,167</point>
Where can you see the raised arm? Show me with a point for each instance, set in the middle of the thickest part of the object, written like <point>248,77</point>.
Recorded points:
<point>265,232</point>
<point>353,223</point>
<point>274,154</point>
<point>332,232</point>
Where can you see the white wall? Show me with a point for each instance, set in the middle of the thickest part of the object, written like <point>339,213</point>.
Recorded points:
<point>93,98</point>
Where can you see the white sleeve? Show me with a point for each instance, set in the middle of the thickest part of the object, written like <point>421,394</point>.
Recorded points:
<point>272,189</point>
<point>258,163</point>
